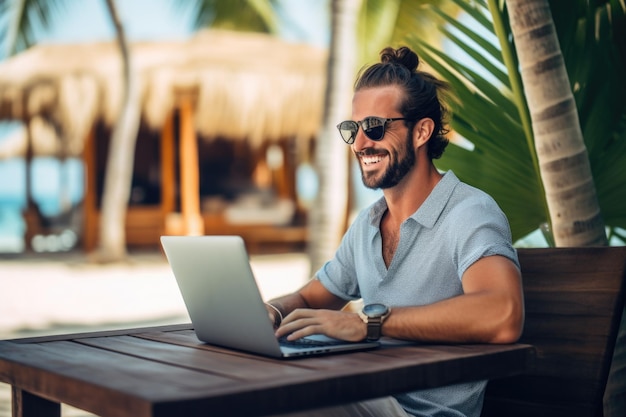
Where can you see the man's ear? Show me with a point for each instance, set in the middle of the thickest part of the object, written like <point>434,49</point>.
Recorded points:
<point>422,131</point>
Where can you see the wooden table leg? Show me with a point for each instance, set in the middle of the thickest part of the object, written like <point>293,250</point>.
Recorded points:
<point>26,404</point>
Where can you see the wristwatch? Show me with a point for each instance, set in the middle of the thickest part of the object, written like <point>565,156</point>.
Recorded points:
<point>373,315</point>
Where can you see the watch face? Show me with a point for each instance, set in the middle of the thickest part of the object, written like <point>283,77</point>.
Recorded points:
<point>375,310</point>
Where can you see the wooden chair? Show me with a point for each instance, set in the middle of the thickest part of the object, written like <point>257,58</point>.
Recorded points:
<point>574,301</point>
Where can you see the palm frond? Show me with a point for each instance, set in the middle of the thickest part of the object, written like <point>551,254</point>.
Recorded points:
<point>485,113</point>
<point>242,15</point>
<point>22,21</point>
<point>377,21</point>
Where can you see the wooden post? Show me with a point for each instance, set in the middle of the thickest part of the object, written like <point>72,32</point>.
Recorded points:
<point>90,205</point>
<point>168,175</point>
<point>31,213</point>
<point>189,167</point>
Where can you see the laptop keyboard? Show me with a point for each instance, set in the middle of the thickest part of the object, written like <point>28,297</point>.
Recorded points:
<point>306,342</point>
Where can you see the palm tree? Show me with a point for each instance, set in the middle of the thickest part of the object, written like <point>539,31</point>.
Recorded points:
<point>120,161</point>
<point>327,218</point>
<point>563,161</point>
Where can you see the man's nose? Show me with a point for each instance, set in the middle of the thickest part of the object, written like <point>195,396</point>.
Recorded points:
<point>361,141</point>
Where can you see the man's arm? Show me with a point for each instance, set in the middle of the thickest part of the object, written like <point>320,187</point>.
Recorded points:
<point>491,310</point>
<point>313,295</point>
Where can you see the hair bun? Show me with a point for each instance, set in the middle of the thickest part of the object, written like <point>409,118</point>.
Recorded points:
<point>401,56</point>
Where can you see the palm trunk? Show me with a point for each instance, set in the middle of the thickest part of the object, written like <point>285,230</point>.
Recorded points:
<point>564,163</point>
<point>327,216</point>
<point>120,160</point>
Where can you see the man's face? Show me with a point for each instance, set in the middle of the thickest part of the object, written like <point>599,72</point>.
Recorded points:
<point>386,162</point>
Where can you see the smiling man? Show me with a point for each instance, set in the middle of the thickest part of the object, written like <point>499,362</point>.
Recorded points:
<point>432,259</point>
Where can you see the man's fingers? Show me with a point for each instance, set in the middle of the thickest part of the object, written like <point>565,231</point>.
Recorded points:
<point>300,323</point>
<point>296,325</point>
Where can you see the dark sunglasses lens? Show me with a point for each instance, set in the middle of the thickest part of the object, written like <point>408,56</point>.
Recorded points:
<point>348,130</point>
<point>374,128</point>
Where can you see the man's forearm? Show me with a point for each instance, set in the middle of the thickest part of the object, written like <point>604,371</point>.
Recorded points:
<point>287,303</point>
<point>475,318</point>
<point>312,295</point>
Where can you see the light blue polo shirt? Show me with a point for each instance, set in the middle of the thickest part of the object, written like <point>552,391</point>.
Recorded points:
<point>455,226</point>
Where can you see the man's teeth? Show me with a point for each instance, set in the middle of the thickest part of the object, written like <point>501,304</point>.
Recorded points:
<point>371,159</point>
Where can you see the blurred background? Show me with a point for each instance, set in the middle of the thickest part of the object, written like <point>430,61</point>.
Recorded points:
<point>123,122</point>
<point>46,190</point>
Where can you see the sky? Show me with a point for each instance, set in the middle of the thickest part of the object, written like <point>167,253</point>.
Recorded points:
<point>142,20</point>
<point>305,20</point>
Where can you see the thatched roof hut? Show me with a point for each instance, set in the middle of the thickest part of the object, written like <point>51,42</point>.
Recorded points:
<point>231,86</point>
<point>252,87</point>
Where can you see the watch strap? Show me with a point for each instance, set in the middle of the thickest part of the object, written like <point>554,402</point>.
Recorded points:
<point>374,328</point>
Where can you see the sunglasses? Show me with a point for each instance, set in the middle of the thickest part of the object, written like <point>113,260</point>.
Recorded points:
<point>373,127</point>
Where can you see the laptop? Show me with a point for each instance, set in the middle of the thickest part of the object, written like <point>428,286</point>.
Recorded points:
<point>224,303</point>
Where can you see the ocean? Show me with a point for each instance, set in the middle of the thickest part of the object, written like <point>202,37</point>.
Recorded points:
<point>53,184</point>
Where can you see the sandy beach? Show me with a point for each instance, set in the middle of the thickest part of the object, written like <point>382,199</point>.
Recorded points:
<point>64,293</point>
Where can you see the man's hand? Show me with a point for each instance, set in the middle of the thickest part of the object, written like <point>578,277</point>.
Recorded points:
<point>337,324</point>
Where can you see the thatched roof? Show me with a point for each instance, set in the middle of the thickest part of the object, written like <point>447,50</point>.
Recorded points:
<point>251,87</point>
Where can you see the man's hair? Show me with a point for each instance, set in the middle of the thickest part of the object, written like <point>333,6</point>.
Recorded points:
<point>421,91</point>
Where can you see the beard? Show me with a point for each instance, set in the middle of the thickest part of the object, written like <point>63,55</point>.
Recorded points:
<point>402,161</point>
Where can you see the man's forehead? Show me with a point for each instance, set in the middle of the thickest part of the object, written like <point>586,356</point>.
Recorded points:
<point>377,99</point>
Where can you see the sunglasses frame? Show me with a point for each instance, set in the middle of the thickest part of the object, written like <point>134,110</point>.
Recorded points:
<point>383,122</point>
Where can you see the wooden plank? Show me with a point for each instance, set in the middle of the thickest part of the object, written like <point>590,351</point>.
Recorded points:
<point>188,338</point>
<point>578,305</point>
<point>220,363</point>
<point>104,333</point>
<point>392,356</point>
<point>41,372</point>
<point>400,355</point>
<point>574,300</point>
<point>100,381</point>
<point>392,360</point>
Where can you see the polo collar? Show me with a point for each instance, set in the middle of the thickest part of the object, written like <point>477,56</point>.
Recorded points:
<point>431,208</point>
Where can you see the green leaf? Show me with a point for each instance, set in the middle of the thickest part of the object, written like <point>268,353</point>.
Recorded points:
<point>241,15</point>
<point>22,21</point>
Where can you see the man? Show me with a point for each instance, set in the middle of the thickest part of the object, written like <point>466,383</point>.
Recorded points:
<point>432,259</point>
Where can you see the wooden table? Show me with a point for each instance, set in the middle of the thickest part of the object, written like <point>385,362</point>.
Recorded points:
<point>167,371</point>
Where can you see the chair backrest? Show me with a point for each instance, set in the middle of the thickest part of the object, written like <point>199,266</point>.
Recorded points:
<point>574,301</point>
